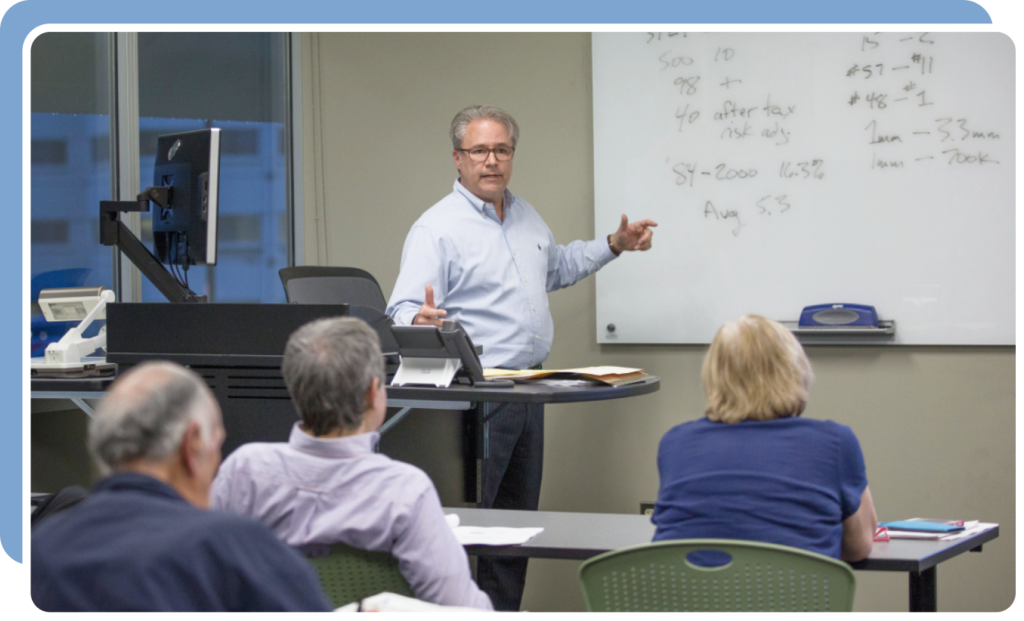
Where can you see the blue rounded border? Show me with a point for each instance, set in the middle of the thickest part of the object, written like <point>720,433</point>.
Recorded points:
<point>25,15</point>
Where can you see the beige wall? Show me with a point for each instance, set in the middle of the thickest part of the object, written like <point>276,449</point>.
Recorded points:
<point>936,423</point>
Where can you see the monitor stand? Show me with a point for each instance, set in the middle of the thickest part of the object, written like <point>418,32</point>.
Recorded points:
<point>113,232</point>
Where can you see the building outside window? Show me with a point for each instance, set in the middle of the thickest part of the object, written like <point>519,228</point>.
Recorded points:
<point>70,168</point>
<point>234,81</point>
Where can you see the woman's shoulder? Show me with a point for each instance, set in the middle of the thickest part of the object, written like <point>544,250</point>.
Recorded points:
<point>688,431</point>
<point>830,428</point>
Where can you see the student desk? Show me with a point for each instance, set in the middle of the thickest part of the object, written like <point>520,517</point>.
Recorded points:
<point>579,536</point>
<point>268,389</point>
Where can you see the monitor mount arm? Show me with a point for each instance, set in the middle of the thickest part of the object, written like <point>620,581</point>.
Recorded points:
<point>113,232</point>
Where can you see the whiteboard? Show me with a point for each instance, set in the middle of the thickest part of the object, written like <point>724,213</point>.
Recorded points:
<point>789,169</point>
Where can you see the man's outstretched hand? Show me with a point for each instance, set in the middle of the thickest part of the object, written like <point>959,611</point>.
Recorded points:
<point>430,315</point>
<point>632,235</point>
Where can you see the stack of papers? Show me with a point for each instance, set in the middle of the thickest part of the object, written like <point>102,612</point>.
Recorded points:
<point>612,376</point>
<point>971,528</point>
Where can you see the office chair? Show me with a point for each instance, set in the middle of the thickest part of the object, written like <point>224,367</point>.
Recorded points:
<point>316,284</point>
<point>55,503</point>
<point>349,574</point>
<point>760,577</point>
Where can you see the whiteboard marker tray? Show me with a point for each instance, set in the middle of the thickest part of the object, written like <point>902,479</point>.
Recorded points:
<point>840,335</point>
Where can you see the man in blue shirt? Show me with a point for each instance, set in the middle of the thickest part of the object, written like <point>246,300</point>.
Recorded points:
<point>486,259</point>
<point>144,541</point>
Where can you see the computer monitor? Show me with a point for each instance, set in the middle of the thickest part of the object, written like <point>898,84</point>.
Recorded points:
<point>185,231</point>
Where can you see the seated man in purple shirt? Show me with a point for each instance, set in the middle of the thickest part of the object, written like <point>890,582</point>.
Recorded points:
<point>326,485</point>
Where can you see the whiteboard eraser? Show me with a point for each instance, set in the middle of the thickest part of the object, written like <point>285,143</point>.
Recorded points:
<point>839,315</point>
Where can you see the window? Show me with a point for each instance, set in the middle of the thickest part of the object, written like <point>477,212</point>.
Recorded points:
<point>70,126</point>
<point>234,81</point>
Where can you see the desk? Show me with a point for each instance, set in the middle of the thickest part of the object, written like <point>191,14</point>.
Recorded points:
<point>579,536</point>
<point>257,407</point>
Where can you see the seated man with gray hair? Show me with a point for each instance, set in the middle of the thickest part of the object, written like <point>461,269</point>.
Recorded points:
<point>326,485</point>
<point>143,541</point>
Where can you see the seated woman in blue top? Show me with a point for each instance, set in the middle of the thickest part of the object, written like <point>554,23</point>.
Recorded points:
<point>753,469</point>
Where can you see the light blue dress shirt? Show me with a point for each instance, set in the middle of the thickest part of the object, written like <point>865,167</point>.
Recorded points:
<point>491,276</point>
<point>337,490</point>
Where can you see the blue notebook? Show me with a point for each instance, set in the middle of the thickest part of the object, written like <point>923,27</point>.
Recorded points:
<point>921,526</point>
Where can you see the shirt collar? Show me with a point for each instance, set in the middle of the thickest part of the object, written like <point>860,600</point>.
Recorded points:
<point>137,482</point>
<point>348,446</point>
<point>479,203</point>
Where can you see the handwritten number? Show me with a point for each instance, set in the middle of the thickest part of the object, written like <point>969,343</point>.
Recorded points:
<point>687,86</point>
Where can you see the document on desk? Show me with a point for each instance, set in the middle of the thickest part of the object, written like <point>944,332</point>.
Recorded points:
<point>612,376</point>
<point>490,535</point>
<point>494,535</point>
<point>971,528</point>
<point>969,531</point>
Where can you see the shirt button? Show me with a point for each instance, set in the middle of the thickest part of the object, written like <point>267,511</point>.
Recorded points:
<point>534,308</point>
<point>524,280</point>
<point>538,337</point>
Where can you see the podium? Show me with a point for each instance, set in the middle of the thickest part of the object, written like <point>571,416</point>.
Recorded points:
<point>236,348</point>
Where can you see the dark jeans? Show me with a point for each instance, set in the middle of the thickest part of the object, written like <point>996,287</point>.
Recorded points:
<point>511,480</point>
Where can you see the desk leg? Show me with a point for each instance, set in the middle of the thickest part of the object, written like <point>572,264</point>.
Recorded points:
<point>475,428</point>
<point>922,591</point>
<point>472,453</point>
<point>85,407</point>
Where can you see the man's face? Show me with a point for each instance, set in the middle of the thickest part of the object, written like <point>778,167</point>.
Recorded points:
<point>486,180</point>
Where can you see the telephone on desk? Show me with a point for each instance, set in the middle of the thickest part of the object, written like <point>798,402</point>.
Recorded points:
<point>439,356</point>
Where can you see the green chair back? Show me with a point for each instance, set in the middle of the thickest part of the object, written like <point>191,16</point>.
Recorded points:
<point>349,574</point>
<point>657,577</point>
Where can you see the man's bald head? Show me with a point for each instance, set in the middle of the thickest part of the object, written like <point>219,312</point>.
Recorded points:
<point>146,412</point>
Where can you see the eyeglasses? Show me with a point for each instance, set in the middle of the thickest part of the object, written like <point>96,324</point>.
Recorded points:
<point>480,154</point>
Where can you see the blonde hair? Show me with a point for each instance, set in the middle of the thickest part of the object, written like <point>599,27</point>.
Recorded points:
<point>755,369</point>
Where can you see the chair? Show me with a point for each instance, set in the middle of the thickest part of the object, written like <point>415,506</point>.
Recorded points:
<point>316,284</point>
<point>760,577</point>
<point>349,574</point>
<point>55,503</point>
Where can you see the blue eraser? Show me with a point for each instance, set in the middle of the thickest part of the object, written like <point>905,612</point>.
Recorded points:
<point>839,316</point>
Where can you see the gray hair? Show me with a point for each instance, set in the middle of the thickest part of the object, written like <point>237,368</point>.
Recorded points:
<point>473,113</point>
<point>146,412</point>
<point>329,365</point>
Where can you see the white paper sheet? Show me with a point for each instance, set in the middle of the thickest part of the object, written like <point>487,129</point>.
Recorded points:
<point>494,535</point>
<point>604,370</point>
<point>392,602</point>
<point>967,532</point>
